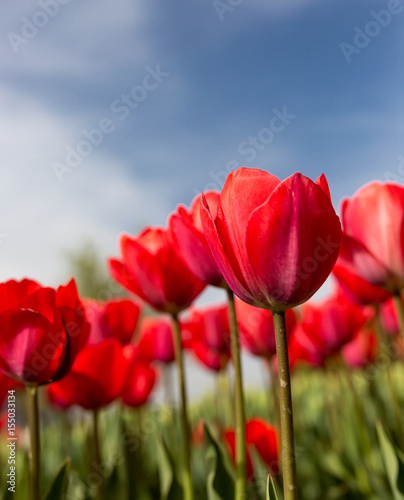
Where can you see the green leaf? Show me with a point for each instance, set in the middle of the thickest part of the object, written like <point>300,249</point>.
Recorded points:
<point>271,490</point>
<point>170,488</point>
<point>393,463</point>
<point>8,495</point>
<point>220,483</point>
<point>58,486</point>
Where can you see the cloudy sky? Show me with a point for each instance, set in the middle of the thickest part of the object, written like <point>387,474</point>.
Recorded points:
<point>174,95</point>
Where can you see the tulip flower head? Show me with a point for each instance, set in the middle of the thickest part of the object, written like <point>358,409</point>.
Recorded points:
<point>275,242</point>
<point>42,330</point>
<point>151,268</point>
<point>373,246</point>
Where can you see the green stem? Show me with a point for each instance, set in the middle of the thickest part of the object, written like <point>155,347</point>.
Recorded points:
<point>186,451</point>
<point>97,464</point>
<point>35,448</point>
<point>398,301</point>
<point>274,393</point>
<point>286,411</point>
<point>241,452</point>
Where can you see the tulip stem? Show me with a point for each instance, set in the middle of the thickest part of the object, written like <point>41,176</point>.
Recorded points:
<point>274,393</point>
<point>186,451</point>
<point>97,463</point>
<point>398,301</point>
<point>286,412</point>
<point>241,471</point>
<point>35,444</point>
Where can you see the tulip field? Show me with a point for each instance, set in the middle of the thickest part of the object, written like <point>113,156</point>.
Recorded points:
<point>79,419</point>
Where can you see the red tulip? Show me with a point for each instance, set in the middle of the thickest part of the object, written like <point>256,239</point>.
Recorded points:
<point>331,323</point>
<point>116,318</point>
<point>373,243</point>
<point>361,350</point>
<point>257,333</point>
<point>302,351</point>
<point>356,288</point>
<point>155,340</point>
<point>275,242</point>
<point>140,381</point>
<point>264,438</point>
<point>190,240</point>
<point>97,377</point>
<point>42,330</point>
<point>152,270</point>
<point>388,315</point>
<point>209,326</point>
<point>211,359</point>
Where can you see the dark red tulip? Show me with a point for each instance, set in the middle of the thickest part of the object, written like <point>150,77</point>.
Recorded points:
<point>331,323</point>
<point>42,330</point>
<point>140,381</point>
<point>190,240</point>
<point>116,318</point>
<point>151,268</point>
<point>373,243</point>
<point>257,333</point>
<point>155,340</point>
<point>361,350</point>
<point>97,377</point>
<point>275,242</point>
<point>264,438</point>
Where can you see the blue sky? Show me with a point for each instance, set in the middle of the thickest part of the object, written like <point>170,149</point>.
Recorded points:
<point>223,73</point>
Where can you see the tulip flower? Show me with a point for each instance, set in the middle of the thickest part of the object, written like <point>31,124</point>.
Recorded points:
<point>331,323</point>
<point>155,340</point>
<point>275,243</point>
<point>140,381</point>
<point>257,334</point>
<point>96,379</point>
<point>209,326</point>
<point>261,436</point>
<point>152,269</point>
<point>373,247</point>
<point>116,318</point>
<point>43,330</point>
<point>190,241</point>
<point>389,318</point>
<point>361,350</point>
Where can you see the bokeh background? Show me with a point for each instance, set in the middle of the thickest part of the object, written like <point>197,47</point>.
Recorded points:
<point>223,70</point>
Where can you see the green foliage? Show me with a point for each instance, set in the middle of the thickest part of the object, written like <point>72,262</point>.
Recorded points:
<point>58,486</point>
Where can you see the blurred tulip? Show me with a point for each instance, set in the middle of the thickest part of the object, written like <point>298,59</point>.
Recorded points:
<point>116,318</point>
<point>209,326</point>
<point>140,381</point>
<point>373,245</point>
<point>264,438</point>
<point>361,350</point>
<point>275,242</point>
<point>331,323</point>
<point>97,377</point>
<point>155,340</point>
<point>257,333</point>
<point>356,288</point>
<point>42,330</point>
<point>190,240</point>
<point>152,270</point>
<point>389,318</point>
